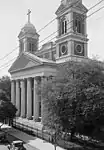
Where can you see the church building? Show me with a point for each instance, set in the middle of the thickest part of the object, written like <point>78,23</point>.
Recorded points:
<point>33,65</point>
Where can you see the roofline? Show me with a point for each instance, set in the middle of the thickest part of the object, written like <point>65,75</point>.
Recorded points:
<point>44,64</point>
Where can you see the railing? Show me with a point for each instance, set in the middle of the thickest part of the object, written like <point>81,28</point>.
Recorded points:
<point>45,136</point>
<point>33,131</point>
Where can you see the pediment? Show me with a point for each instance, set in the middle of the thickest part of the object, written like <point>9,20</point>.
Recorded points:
<point>24,62</point>
<point>81,7</point>
<point>63,8</point>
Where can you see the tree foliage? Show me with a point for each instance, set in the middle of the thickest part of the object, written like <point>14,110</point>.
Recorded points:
<point>5,86</point>
<point>74,99</point>
<point>7,109</point>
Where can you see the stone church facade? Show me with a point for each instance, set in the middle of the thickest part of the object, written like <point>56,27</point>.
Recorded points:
<point>33,65</point>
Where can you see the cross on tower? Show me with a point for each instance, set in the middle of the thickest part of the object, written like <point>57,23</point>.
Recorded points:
<point>29,12</point>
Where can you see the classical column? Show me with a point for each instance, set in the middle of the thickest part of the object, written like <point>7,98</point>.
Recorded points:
<point>43,80</point>
<point>18,103</point>
<point>29,99</point>
<point>36,101</point>
<point>23,99</point>
<point>13,92</point>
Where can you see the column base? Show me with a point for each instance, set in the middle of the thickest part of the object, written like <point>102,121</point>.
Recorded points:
<point>29,118</point>
<point>18,114</point>
<point>23,116</point>
<point>37,119</point>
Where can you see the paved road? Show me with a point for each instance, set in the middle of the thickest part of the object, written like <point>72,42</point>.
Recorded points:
<point>10,139</point>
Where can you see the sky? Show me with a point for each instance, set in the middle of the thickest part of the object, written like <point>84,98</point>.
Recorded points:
<point>13,16</point>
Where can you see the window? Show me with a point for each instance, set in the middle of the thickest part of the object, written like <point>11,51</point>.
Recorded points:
<point>63,26</point>
<point>78,26</point>
<point>78,23</point>
<point>31,47</point>
<point>63,50</point>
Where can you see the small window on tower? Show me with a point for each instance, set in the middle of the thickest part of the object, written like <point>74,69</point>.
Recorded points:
<point>78,23</point>
<point>63,26</point>
<point>30,47</point>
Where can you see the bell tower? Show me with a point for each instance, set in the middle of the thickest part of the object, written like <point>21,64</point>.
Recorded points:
<point>28,37</point>
<point>71,43</point>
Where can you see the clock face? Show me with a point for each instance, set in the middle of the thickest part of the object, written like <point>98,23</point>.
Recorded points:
<point>79,49</point>
<point>63,49</point>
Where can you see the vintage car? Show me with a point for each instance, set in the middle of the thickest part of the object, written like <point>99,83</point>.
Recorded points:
<point>16,145</point>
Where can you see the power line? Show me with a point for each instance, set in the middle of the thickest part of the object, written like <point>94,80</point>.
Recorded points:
<point>53,37</point>
<point>7,62</point>
<point>72,20</point>
<point>56,31</point>
<point>9,53</point>
<point>56,17</point>
<point>38,32</point>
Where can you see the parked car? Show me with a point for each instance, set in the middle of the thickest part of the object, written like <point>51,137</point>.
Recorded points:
<point>16,145</point>
<point>3,136</point>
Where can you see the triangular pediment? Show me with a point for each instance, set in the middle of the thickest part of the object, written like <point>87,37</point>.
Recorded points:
<point>24,62</point>
<point>81,7</point>
<point>62,8</point>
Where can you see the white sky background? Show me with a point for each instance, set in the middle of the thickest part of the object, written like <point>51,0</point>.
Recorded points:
<point>13,17</point>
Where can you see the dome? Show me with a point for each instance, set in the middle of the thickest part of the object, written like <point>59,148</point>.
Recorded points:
<point>28,27</point>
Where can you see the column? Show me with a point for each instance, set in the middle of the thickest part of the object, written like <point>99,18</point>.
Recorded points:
<point>25,45</point>
<point>43,80</point>
<point>13,92</point>
<point>29,99</point>
<point>18,104</point>
<point>23,99</point>
<point>36,101</point>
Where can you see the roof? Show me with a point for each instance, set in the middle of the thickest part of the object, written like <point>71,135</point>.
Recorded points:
<point>62,8</point>
<point>28,60</point>
<point>43,60</point>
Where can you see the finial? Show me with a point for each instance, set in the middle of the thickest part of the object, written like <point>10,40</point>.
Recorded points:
<point>29,12</point>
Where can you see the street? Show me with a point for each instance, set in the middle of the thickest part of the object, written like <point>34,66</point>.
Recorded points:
<point>3,146</point>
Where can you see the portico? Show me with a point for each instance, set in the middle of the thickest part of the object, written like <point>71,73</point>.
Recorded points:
<point>26,82</point>
<point>27,103</point>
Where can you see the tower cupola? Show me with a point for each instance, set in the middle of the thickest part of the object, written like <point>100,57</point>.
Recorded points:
<point>28,37</point>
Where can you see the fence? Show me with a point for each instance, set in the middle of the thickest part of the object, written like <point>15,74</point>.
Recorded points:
<point>33,131</point>
<point>45,136</point>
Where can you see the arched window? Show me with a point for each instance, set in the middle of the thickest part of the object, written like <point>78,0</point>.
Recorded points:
<point>31,47</point>
<point>79,25</point>
<point>63,26</point>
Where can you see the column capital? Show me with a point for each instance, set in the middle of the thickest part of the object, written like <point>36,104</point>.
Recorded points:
<point>13,81</point>
<point>18,80</point>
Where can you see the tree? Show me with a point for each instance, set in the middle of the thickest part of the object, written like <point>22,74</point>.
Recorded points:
<point>74,99</point>
<point>5,86</point>
<point>7,109</point>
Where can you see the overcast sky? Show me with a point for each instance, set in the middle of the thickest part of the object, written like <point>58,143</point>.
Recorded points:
<point>13,16</point>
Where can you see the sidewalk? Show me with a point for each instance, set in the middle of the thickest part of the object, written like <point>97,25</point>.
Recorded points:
<point>35,142</point>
